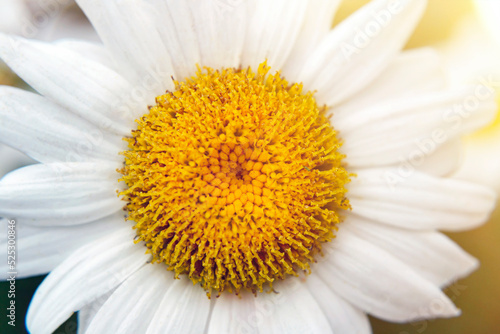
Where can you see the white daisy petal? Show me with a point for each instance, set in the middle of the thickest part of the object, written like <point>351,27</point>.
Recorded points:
<point>220,28</point>
<point>12,159</point>
<point>430,254</point>
<point>342,316</point>
<point>183,309</point>
<point>46,132</point>
<point>317,23</point>
<point>127,31</point>
<point>176,23</point>
<point>235,314</point>
<point>411,73</point>
<point>379,284</point>
<point>445,160</point>
<point>87,274</point>
<point>63,171</point>
<point>209,33</point>
<point>268,313</point>
<point>42,249</point>
<point>381,135</point>
<point>60,194</point>
<point>272,31</point>
<point>85,87</point>
<point>66,19</point>
<point>90,50</point>
<point>146,288</point>
<point>360,48</point>
<point>418,201</point>
<point>292,310</point>
<point>87,313</point>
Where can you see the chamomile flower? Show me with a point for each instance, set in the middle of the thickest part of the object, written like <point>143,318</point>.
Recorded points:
<point>238,167</point>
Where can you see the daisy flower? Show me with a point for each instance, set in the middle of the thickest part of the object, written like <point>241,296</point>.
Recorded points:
<point>279,176</point>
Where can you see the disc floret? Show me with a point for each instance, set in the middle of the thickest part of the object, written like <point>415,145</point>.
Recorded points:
<point>235,179</point>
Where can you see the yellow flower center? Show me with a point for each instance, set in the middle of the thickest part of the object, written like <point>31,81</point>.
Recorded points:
<point>235,179</point>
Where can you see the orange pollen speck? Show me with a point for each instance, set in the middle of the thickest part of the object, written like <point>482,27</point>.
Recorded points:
<point>235,179</point>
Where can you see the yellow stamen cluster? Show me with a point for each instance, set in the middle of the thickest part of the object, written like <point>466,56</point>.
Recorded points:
<point>235,179</point>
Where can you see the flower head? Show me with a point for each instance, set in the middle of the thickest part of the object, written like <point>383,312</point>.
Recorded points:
<point>331,158</point>
<point>235,179</point>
